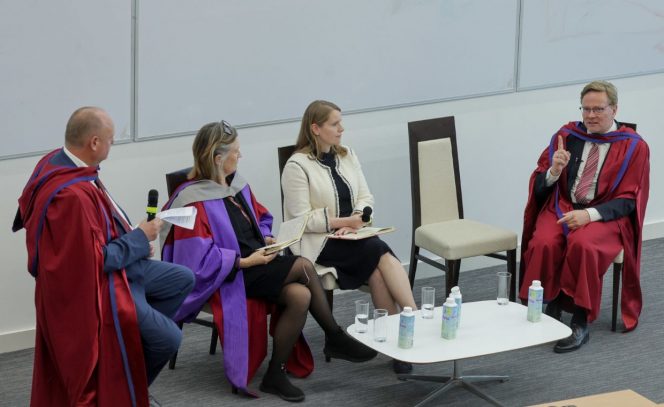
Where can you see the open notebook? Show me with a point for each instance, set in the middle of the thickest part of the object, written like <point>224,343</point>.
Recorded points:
<point>290,232</point>
<point>363,233</point>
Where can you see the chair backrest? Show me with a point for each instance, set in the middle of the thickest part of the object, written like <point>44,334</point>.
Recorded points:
<point>434,171</point>
<point>630,125</point>
<point>175,179</point>
<point>284,153</point>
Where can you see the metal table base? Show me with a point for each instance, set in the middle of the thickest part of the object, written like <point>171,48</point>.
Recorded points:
<point>456,379</point>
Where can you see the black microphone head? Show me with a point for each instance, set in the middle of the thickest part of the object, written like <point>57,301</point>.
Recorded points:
<point>366,214</point>
<point>153,197</point>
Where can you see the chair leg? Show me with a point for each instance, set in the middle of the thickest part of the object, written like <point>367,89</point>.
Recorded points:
<point>511,268</point>
<point>451,275</point>
<point>617,269</point>
<point>174,358</point>
<point>414,251</point>
<point>213,339</point>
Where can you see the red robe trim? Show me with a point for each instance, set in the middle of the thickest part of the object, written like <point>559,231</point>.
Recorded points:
<point>78,356</point>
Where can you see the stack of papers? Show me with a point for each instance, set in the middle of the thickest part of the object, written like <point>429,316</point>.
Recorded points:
<point>183,217</point>
<point>290,232</point>
<point>363,233</point>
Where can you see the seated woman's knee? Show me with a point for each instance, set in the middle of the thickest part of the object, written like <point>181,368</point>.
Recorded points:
<point>296,295</point>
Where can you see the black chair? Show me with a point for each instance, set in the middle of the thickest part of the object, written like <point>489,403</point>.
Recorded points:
<point>617,271</point>
<point>174,180</point>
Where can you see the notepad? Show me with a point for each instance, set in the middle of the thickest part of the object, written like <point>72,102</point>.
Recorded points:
<point>363,233</point>
<point>290,232</point>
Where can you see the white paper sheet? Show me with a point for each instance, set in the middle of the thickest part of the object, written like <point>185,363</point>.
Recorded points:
<point>183,217</point>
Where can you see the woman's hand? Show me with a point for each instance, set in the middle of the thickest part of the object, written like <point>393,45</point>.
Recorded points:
<point>344,231</point>
<point>256,258</point>
<point>270,240</point>
<point>352,221</point>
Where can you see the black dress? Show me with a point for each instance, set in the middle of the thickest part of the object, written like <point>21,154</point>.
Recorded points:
<point>266,280</point>
<point>355,260</point>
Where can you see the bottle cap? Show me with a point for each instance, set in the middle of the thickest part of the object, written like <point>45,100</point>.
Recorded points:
<point>455,289</point>
<point>407,310</point>
<point>450,302</point>
<point>537,283</point>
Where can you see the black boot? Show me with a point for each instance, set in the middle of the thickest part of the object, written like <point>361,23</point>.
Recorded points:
<point>341,346</point>
<point>276,382</point>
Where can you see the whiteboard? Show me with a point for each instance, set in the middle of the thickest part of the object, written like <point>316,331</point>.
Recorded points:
<point>56,56</point>
<point>567,41</point>
<point>262,61</point>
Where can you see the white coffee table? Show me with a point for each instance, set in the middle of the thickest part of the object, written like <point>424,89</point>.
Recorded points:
<point>486,328</point>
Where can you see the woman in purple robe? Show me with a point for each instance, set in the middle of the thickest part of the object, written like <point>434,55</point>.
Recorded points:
<point>224,250</point>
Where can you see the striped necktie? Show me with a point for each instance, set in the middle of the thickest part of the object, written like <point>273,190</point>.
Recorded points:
<point>582,189</point>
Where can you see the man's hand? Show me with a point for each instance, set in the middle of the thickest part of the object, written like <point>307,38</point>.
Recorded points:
<point>575,219</point>
<point>151,229</point>
<point>270,240</point>
<point>257,258</point>
<point>560,158</point>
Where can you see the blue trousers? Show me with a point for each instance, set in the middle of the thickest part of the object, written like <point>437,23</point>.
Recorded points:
<point>158,288</point>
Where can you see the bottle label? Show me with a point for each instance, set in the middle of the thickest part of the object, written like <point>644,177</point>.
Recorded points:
<point>450,322</point>
<point>535,297</point>
<point>406,331</point>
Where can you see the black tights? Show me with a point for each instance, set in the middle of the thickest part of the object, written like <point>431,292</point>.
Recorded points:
<point>301,292</point>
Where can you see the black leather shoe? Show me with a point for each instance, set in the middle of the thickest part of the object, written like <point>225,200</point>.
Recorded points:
<point>401,367</point>
<point>340,345</point>
<point>580,336</point>
<point>554,311</point>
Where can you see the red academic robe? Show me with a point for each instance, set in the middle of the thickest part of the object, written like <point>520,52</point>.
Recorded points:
<point>88,348</point>
<point>632,181</point>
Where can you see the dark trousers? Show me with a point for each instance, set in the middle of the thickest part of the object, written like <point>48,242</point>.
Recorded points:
<point>158,288</point>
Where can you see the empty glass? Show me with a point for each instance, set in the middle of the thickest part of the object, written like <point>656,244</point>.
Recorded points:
<point>380,325</point>
<point>428,302</point>
<point>503,296</point>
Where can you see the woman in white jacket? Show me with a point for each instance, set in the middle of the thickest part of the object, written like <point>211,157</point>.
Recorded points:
<point>325,178</point>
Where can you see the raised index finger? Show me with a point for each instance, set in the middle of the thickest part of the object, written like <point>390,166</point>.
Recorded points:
<point>561,145</point>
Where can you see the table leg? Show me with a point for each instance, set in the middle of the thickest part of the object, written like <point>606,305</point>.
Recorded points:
<point>451,381</point>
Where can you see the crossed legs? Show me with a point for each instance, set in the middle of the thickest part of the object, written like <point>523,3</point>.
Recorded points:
<point>389,285</point>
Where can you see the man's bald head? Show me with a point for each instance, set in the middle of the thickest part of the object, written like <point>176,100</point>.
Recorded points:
<point>83,123</point>
<point>89,134</point>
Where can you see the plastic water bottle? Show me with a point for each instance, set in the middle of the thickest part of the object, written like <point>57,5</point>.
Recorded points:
<point>535,296</point>
<point>450,319</point>
<point>406,328</point>
<point>456,294</point>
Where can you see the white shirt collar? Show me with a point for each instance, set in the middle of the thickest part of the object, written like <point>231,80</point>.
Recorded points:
<point>77,161</point>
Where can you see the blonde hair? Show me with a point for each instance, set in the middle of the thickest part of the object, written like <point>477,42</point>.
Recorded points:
<point>317,112</point>
<point>602,86</point>
<point>211,141</point>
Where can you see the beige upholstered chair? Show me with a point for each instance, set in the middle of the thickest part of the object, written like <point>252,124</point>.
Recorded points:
<point>439,226</point>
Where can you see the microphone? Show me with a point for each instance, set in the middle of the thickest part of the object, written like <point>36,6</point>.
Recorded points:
<point>153,197</point>
<point>366,214</point>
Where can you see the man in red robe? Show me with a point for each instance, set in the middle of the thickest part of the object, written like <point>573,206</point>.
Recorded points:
<point>103,308</point>
<point>586,203</point>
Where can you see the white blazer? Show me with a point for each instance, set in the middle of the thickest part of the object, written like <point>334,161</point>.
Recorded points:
<point>309,187</point>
